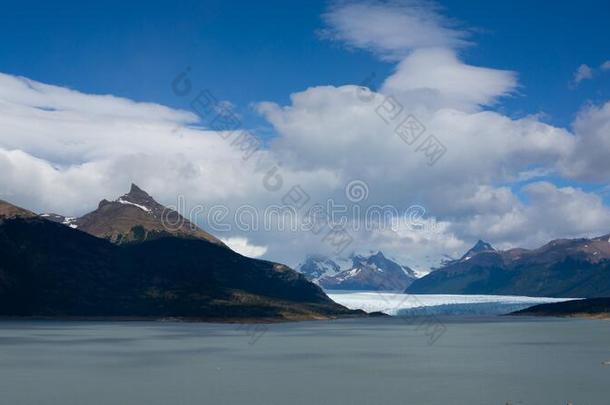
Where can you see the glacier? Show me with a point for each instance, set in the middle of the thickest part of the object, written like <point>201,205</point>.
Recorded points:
<point>401,304</point>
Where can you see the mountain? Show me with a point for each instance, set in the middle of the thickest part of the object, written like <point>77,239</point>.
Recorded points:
<point>316,267</point>
<point>562,268</point>
<point>134,217</point>
<point>598,308</point>
<point>479,247</point>
<point>8,211</point>
<point>375,272</point>
<point>48,269</point>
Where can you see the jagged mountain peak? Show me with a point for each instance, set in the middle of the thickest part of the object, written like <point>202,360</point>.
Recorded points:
<point>137,194</point>
<point>479,247</point>
<point>316,266</point>
<point>134,189</point>
<point>140,199</point>
<point>370,271</point>
<point>136,216</point>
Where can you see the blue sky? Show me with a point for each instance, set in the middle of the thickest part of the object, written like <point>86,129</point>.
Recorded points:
<point>249,52</point>
<point>527,144</point>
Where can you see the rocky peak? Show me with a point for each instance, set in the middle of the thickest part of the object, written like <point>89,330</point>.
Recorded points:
<point>482,246</point>
<point>479,247</point>
<point>135,217</point>
<point>136,193</point>
<point>138,196</point>
<point>372,272</point>
<point>317,266</point>
<point>379,255</point>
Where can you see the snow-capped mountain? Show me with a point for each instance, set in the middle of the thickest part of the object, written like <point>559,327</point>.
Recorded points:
<point>316,267</point>
<point>375,272</point>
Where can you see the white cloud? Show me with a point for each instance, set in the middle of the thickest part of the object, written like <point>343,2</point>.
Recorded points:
<point>329,127</point>
<point>605,65</point>
<point>589,160</point>
<point>393,28</point>
<point>21,91</point>
<point>435,76</point>
<point>243,247</point>
<point>550,212</point>
<point>583,72</point>
<point>62,150</point>
<point>81,148</point>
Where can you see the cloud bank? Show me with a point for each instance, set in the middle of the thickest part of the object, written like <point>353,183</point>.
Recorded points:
<point>500,179</point>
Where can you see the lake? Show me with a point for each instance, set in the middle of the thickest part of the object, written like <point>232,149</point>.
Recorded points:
<point>495,360</point>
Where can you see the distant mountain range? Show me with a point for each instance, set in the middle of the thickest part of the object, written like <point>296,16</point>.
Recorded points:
<point>122,261</point>
<point>133,257</point>
<point>375,272</point>
<point>562,268</point>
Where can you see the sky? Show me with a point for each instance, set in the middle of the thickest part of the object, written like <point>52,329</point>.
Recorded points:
<point>516,93</point>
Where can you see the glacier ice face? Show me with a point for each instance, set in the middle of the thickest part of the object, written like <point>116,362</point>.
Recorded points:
<point>427,304</point>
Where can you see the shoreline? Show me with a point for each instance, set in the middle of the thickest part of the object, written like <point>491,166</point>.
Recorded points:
<point>173,319</point>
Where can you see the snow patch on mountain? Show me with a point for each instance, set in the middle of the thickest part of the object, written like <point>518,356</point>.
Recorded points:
<point>316,267</point>
<point>362,272</point>
<point>70,221</point>
<point>479,247</point>
<point>142,207</point>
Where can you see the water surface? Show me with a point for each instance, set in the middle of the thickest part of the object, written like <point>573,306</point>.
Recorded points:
<point>376,361</point>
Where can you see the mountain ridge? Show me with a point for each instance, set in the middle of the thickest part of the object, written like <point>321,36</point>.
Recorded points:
<point>561,268</point>
<point>134,217</point>
<point>10,211</point>
<point>374,272</point>
<point>48,269</point>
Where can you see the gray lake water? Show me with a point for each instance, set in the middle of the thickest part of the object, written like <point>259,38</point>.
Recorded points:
<point>376,361</point>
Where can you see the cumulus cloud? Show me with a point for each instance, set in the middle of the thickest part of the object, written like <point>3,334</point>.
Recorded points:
<point>417,35</point>
<point>243,247</point>
<point>589,159</point>
<point>435,76</point>
<point>330,127</point>
<point>583,72</point>
<point>392,29</point>
<point>550,212</point>
<point>605,66</point>
<point>62,150</point>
